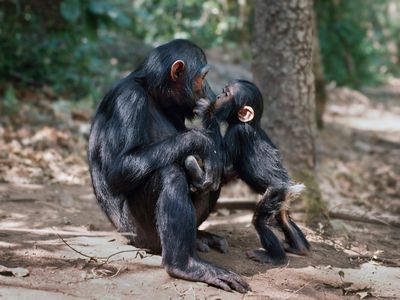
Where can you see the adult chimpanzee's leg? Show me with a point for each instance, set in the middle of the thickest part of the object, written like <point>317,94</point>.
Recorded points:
<point>176,223</point>
<point>269,205</point>
<point>295,238</point>
<point>204,202</point>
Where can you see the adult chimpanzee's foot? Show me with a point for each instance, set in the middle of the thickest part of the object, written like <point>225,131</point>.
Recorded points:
<point>198,270</point>
<point>263,257</point>
<point>206,240</point>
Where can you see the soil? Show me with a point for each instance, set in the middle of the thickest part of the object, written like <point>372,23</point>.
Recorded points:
<point>51,225</point>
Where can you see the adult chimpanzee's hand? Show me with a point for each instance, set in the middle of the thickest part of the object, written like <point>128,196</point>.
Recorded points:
<point>203,108</point>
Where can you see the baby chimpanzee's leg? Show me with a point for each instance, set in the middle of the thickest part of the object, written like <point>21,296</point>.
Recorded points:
<point>295,238</point>
<point>268,207</point>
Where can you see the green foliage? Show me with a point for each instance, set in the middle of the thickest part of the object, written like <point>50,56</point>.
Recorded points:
<point>78,47</point>
<point>357,38</point>
<point>59,44</point>
<point>208,23</point>
<point>10,103</point>
<point>70,10</point>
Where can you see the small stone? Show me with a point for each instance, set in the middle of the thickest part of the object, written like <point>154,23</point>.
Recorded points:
<point>66,221</point>
<point>16,272</point>
<point>224,212</point>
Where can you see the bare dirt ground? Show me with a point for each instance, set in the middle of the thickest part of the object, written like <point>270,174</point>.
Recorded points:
<point>52,227</point>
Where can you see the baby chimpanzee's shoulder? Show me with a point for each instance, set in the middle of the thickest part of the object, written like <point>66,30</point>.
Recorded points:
<point>255,157</point>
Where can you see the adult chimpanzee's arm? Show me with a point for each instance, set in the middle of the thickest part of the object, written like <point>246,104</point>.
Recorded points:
<point>133,156</point>
<point>133,166</point>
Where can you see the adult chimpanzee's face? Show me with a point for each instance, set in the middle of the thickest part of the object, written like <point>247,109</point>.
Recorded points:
<point>201,88</point>
<point>200,81</point>
<point>189,85</point>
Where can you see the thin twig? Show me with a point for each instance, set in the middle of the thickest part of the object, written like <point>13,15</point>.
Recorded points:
<point>116,274</point>
<point>73,249</point>
<point>105,258</point>
<point>283,268</point>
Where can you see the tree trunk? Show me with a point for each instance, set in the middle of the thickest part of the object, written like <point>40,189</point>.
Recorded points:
<point>320,92</point>
<point>282,68</point>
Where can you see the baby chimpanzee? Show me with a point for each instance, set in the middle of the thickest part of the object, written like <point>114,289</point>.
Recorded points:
<point>258,163</point>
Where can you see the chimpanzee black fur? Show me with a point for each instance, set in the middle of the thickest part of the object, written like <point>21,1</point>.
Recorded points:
<point>137,150</point>
<point>258,163</point>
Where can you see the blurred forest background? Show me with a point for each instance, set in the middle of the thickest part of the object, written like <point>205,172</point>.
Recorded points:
<point>59,57</point>
<point>76,49</point>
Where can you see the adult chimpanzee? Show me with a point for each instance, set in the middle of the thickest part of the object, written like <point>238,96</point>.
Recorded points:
<point>137,150</point>
<point>257,162</point>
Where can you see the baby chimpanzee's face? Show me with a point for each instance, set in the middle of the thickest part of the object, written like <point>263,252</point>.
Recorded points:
<point>226,98</point>
<point>227,107</point>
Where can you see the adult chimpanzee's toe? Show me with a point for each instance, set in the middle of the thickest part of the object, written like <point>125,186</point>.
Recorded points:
<point>262,256</point>
<point>227,280</point>
<point>236,283</point>
<point>213,241</point>
<point>198,270</point>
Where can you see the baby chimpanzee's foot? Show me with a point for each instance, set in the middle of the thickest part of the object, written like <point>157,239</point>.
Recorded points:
<point>206,240</point>
<point>262,256</point>
<point>302,249</point>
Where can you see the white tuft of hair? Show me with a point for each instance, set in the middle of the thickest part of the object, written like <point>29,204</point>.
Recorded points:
<point>295,190</point>
<point>292,192</point>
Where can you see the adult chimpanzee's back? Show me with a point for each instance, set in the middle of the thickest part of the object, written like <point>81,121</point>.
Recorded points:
<point>137,148</point>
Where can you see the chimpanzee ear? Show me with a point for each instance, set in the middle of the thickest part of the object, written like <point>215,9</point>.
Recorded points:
<point>246,114</point>
<point>177,69</point>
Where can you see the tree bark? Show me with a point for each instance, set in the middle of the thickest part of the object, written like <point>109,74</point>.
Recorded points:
<point>282,69</point>
<point>320,92</point>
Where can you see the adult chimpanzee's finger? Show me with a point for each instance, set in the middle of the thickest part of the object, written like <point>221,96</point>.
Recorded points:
<point>217,175</point>
<point>209,172</point>
<point>202,106</point>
